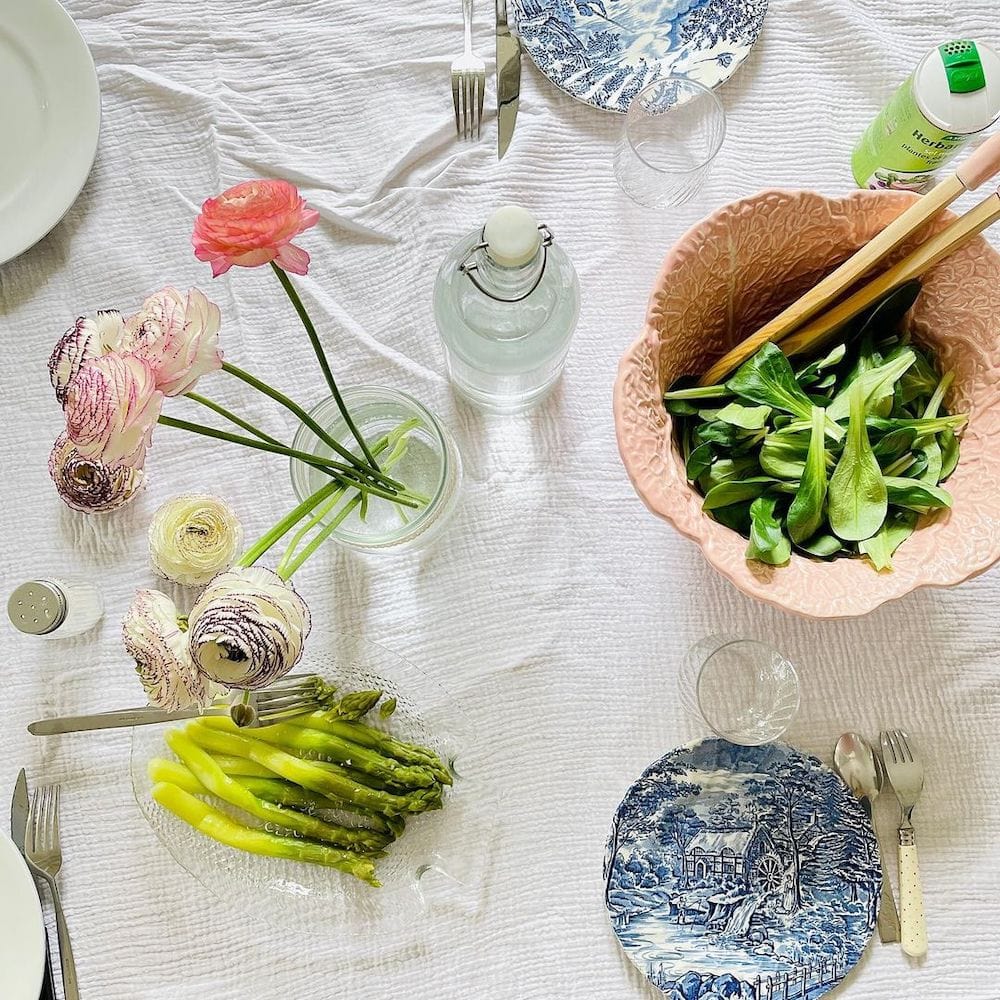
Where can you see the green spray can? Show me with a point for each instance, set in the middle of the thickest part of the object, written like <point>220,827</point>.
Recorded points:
<point>953,94</point>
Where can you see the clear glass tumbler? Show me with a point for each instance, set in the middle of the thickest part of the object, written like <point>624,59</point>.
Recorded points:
<point>743,690</point>
<point>673,130</point>
<point>431,466</point>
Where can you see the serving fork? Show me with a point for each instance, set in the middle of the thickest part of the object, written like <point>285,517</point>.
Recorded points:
<point>905,772</point>
<point>44,857</point>
<point>468,83</point>
<point>292,695</point>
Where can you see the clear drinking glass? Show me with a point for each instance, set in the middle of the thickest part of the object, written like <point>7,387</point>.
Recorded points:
<point>431,466</point>
<point>673,130</point>
<point>743,690</point>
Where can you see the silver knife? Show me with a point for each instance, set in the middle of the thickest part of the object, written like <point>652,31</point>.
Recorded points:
<point>18,830</point>
<point>19,811</point>
<point>123,718</point>
<point>508,79</point>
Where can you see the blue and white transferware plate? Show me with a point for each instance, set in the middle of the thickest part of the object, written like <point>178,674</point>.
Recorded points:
<point>744,873</point>
<point>604,52</point>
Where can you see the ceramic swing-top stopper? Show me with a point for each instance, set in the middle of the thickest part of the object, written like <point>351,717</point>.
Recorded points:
<point>512,236</point>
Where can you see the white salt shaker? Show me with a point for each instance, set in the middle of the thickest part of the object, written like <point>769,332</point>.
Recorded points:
<point>55,608</point>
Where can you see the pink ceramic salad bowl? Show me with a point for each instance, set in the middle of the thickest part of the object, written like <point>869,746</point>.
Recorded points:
<point>726,277</point>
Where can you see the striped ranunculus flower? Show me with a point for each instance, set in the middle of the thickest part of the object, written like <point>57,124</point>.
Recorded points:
<point>87,338</point>
<point>247,628</point>
<point>111,408</point>
<point>177,335</point>
<point>155,640</point>
<point>89,485</point>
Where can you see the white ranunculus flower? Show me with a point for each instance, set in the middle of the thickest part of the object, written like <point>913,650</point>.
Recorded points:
<point>155,640</point>
<point>247,628</point>
<point>178,336</point>
<point>85,339</point>
<point>193,537</point>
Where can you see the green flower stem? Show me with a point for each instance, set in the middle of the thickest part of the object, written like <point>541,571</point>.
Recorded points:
<point>327,506</point>
<point>286,571</point>
<point>232,417</point>
<point>324,508</point>
<point>293,295</point>
<point>288,522</point>
<point>318,515</point>
<point>328,439</point>
<point>345,474</point>
<point>396,439</point>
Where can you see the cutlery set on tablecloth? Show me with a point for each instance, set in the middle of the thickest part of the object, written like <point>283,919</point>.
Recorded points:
<point>34,830</point>
<point>864,771</point>
<point>468,81</point>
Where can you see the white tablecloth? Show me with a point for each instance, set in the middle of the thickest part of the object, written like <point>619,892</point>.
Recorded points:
<point>556,608</point>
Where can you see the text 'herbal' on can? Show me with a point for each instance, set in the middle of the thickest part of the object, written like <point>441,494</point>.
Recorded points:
<point>953,94</point>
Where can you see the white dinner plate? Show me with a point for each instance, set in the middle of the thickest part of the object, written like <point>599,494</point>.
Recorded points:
<point>50,116</point>
<point>22,933</point>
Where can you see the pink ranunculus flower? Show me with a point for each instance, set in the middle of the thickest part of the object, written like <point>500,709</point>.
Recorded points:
<point>177,336</point>
<point>85,339</point>
<point>251,224</point>
<point>89,485</point>
<point>155,640</point>
<point>111,409</point>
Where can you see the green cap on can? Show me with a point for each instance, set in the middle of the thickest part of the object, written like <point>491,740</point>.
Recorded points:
<point>962,66</point>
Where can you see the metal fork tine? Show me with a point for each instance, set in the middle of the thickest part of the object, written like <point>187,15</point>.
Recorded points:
<point>887,749</point>
<point>55,818</point>
<point>904,744</point>
<point>456,101</point>
<point>465,106</point>
<point>288,692</point>
<point>43,819</point>
<point>481,87</point>
<point>31,840</point>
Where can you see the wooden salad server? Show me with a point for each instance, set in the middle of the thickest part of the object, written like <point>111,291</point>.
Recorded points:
<point>922,259</point>
<point>979,167</point>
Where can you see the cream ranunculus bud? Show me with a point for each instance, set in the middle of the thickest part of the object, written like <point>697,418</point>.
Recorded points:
<point>154,639</point>
<point>193,537</point>
<point>247,628</point>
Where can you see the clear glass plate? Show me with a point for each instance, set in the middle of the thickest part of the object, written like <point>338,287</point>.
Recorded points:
<point>439,865</point>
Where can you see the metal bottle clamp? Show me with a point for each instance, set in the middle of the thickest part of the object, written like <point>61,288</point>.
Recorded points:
<point>469,265</point>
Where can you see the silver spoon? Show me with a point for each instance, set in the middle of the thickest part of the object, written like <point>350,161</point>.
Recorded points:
<point>855,761</point>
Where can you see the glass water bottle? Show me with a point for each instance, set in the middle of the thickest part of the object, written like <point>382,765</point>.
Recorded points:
<point>506,302</point>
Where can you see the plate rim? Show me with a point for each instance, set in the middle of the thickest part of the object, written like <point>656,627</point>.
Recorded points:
<point>633,960</point>
<point>7,846</point>
<point>516,6</point>
<point>51,14</point>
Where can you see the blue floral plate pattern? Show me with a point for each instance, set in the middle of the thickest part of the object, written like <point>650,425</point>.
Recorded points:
<point>742,873</point>
<point>604,52</point>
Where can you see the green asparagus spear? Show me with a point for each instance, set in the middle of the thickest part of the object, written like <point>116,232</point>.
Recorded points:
<point>241,767</point>
<point>161,769</point>
<point>216,781</point>
<point>328,779</point>
<point>273,789</point>
<point>220,827</point>
<point>354,705</point>
<point>352,755</point>
<point>284,793</point>
<point>375,739</point>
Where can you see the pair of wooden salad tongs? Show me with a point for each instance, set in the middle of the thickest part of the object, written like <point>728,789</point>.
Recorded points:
<point>792,327</point>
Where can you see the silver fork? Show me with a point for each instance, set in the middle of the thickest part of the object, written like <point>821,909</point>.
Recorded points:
<point>44,857</point>
<point>468,83</point>
<point>905,772</point>
<point>292,695</point>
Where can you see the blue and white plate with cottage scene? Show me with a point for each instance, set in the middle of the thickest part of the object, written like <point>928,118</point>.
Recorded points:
<point>604,52</point>
<point>743,873</point>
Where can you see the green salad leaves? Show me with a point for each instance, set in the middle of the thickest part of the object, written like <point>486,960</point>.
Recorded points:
<point>833,455</point>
